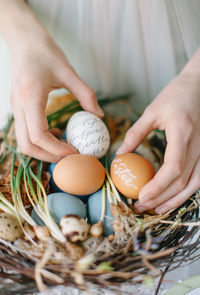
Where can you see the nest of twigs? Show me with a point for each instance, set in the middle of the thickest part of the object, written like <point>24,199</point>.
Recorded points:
<point>142,246</point>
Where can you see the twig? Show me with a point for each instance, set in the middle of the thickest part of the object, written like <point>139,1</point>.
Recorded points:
<point>38,267</point>
<point>197,223</point>
<point>150,266</point>
<point>161,254</point>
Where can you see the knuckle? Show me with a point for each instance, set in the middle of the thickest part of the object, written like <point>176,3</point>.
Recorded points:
<point>149,111</point>
<point>35,138</point>
<point>158,187</point>
<point>151,204</point>
<point>187,128</point>
<point>196,182</point>
<point>181,183</point>
<point>176,169</point>
<point>25,147</point>
<point>24,91</point>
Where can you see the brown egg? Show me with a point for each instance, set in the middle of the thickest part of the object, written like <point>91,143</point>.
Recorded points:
<point>79,174</point>
<point>130,172</point>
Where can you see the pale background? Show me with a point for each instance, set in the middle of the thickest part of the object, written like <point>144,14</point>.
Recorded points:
<point>118,46</point>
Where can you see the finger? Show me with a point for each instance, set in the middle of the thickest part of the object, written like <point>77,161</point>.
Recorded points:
<point>177,186</point>
<point>143,126</point>
<point>81,91</point>
<point>24,143</point>
<point>174,161</point>
<point>179,199</point>
<point>38,129</point>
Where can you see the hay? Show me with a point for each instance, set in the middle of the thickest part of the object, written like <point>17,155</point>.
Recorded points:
<point>145,246</point>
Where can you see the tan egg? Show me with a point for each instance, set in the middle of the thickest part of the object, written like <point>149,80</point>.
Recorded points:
<point>130,172</point>
<point>79,174</point>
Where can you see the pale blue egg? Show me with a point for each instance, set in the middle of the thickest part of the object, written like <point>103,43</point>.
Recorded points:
<point>61,204</point>
<point>64,136</point>
<point>94,207</point>
<point>54,188</point>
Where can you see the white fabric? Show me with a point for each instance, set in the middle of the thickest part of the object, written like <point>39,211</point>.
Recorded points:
<point>124,45</point>
<point>119,46</point>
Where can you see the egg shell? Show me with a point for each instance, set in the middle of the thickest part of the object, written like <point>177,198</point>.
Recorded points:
<point>88,134</point>
<point>79,174</point>
<point>111,158</point>
<point>64,136</point>
<point>61,204</point>
<point>130,172</point>
<point>54,188</point>
<point>94,206</point>
<point>10,229</point>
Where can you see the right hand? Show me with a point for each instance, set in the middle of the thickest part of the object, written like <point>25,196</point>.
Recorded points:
<point>39,66</point>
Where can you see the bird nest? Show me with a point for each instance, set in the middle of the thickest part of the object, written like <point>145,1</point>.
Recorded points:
<point>143,247</point>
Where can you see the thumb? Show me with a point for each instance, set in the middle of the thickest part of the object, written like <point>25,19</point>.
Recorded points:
<point>85,95</point>
<point>135,135</point>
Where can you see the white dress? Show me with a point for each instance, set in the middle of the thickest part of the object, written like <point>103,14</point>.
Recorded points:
<point>118,46</point>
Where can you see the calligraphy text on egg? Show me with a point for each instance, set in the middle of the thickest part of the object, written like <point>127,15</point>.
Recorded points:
<point>84,137</point>
<point>122,170</point>
<point>89,121</point>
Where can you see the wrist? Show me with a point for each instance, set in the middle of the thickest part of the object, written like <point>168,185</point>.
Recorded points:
<point>18,25</point>
<point>192,68</point>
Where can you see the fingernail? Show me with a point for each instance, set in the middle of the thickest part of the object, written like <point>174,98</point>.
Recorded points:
<point>72,149</point>
<point>162,210</point>
<point>137,204</point>
<point>120,150</point>
<point>99,111</point>
<point>140,209</point>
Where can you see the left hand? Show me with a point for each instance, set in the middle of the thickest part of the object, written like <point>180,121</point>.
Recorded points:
<point>177,111</point>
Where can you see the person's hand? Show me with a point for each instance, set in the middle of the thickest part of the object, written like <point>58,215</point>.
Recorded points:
<point>38,66</point>
<point>37,69</point>
<point>177,111</point>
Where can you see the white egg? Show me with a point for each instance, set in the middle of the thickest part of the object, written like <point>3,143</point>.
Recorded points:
<point>88,134</point>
